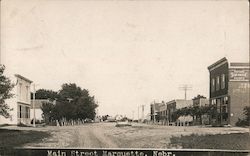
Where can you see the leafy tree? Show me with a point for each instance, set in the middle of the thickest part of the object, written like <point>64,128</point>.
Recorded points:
<point>47,109</point>
<point>5,92</point>
<point>45,94</point>
<point>72,103</point>
<point>246,120</point>
<point>247,113</point>
<point>195,111</point>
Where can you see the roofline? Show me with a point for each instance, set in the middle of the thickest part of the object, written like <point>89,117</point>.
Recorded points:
<point>239,65</point>
<point>24,78</point>
<point>224,59</point>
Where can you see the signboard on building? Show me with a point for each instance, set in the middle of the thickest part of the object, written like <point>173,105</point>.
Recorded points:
<point>239,75</point>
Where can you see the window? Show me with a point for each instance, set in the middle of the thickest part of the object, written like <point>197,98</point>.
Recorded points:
<point>222,81</point>
<point>217,83</point>
<point>213,101</point>
<point>224,109</point>
<point>19,111</point>
<point>20,91</point>
<point>27,112</point>
<point>27,93</point>
<point>226,100</point>
<point>213,85</point>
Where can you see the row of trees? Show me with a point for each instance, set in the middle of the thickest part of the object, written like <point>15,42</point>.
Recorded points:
<point>73,104</point>
<point>195,112</point>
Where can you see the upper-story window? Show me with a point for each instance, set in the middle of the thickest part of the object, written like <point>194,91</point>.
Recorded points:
<point>27,93</point>
<point>217,83</point>
<point>20,91</point>
<point>213,85</point>
<point>223,81</point>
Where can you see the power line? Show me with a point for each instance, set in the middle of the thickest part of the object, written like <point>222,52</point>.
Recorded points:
<point>185,87</point>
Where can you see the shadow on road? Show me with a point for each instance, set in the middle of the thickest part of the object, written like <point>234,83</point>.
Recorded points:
<point>18,138</point>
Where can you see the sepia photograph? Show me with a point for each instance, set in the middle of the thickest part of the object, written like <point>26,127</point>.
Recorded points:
<point>124,78</point>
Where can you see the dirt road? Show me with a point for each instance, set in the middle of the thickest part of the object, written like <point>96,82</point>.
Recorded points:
<point>106,135</point>
<point>87,136</point>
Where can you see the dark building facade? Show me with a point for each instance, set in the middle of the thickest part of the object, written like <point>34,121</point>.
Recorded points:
<point>155,111</point>
<point>229,91</point>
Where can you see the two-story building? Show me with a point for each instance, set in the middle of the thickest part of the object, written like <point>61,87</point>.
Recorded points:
<point>155,111</point>
<point>201,101</point>
<point>19,103</point>
<point>173,105</point>
<point>229,91</point>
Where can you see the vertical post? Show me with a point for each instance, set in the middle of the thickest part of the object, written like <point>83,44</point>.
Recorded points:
<point>185,93</point>
<point>34,97</point>
<point>154,112</point>
<point>138,113</point>
<point>142,116</point>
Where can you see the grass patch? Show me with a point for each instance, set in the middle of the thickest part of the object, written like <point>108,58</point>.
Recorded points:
<point>234,141</point>
<point>18,138</point>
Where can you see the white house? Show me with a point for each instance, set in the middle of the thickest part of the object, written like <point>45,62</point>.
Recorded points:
<point>19,103</point>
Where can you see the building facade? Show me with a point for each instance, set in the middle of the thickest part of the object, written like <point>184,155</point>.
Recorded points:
<point>172,106</point>
<point>228,91</point>
<point>19,103</point>
<point>155,111</point>
<point>201,101</point>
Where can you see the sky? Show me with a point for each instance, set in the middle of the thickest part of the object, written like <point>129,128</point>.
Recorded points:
<point>126,53</point>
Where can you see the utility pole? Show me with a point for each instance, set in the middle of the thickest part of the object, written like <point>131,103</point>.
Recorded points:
<point>142,111</point>
<point>154,111</point>
<point>34,97</point>
<point>138,113</point>
<point>185,87</point>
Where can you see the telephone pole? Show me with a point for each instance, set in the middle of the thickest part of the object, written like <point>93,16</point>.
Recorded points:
<point>185,87</point>
<point>142,111</point>
<point>34,109</point>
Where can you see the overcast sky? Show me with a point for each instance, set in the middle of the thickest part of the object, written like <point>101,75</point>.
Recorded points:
<point>126,53</point>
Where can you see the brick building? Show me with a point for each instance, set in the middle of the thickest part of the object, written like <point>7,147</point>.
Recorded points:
<point>229,90</point>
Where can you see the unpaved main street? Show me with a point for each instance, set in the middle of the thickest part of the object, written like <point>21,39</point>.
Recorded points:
<point>106,135</point>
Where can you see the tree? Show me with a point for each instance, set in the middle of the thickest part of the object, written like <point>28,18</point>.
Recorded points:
<point>47,109</point>
<point>45,94</point>
<point>72,104</point>
<point>247,114</point>
<point>246,120</point>
<point>5,92</point>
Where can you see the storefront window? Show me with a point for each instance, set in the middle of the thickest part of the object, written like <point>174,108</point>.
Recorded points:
<point>222,81</point>
<point>213,85</point>
<point>217,83</point>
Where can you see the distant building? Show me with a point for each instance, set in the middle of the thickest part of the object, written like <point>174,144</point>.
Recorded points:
<point>201,101</point>
<point>229,90</point>
<point>155,110</point>
<point>163,113</point>
<point>173,105</point>
<point>19,103</point>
